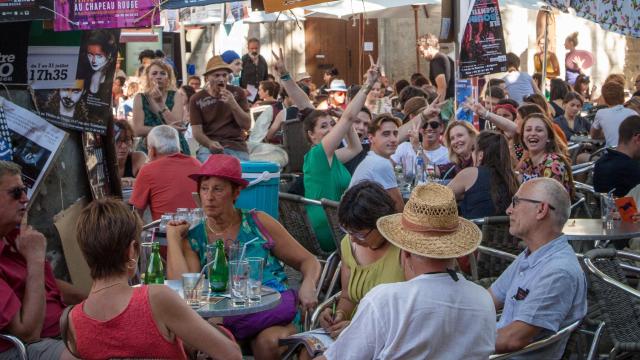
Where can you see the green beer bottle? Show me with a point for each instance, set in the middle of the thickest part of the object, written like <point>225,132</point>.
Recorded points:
<point>155,272</point>
<point>219,270</point>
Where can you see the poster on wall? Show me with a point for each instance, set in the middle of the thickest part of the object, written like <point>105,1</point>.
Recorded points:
<point>84,103</point>
<point>96,164</point>
<point>13,52</point>
<point>21,10</point>
<point>464,92</point>
<point>104,14</point>
<point>35,143</point>
<point>236,11</point>
<point>482,50</point>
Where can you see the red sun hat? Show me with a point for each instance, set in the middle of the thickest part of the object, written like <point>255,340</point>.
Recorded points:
<point>222,166</point>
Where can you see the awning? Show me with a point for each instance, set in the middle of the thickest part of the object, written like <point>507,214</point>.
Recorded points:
<point>138,35</point>
<point>264,17</point>
<point>351,7</point>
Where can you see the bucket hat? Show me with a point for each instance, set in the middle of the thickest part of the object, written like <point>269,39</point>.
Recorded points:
<point>338,85</point>
<point>222,166</point>
<point>430,226</point>
<point>216,63</point>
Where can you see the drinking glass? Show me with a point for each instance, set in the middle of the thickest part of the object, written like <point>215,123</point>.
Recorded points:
<point>238,274</point>
<point>607,211</point>
<point>191,292</point>
<point>254,281</point>
<point>234,252</point>
<point>145,253</point>
<point>164,220</point>
<point>197,214</point>
<point>183,214</point>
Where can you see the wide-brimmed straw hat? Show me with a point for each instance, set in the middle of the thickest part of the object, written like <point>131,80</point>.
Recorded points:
<point>430,226</point>
<point>216,63</point>
<point>222,166</point>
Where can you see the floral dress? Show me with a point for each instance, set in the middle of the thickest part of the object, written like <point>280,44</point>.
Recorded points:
<point>551,166</point>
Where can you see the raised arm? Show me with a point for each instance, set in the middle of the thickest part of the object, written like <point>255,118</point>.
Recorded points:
<point>432,110</point>
<point>509,127</point>
<point>180,258</point>
<point>299,97</point>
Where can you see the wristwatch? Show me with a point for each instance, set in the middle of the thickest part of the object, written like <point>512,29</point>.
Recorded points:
<point>163,110</point>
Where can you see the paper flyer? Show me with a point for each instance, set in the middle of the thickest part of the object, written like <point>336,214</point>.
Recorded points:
<point>105,14</point>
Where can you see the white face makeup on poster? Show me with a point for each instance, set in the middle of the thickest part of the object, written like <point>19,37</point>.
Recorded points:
<point>97,57</point>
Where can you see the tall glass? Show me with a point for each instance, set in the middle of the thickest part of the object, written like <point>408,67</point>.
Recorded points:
<point>607,211</point>
<point>164,220</point>
<point>191,288</point>
<point>238,274</point>
<point>145,253</point>
<point>254,281</point>
<point>183,214</point>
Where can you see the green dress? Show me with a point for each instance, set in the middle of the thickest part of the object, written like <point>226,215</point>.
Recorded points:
<point>323,181</point>
<point>151,119</point>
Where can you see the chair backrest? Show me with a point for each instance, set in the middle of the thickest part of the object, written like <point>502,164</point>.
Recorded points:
<point>563,333</point>
<point>293,216</point>
<point>295,143</point>
<point>616,300</point>
<point>331,210</point>
<point>22,350</point>
<point>495,234</point>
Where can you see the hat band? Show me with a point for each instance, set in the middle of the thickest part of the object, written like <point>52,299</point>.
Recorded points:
<point>411,226</point>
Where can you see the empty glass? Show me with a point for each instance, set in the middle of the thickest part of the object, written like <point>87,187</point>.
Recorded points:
<point>608,211</point>
<point>238,274</point>
<point>164,220</point>
<point>183,214</point>
<point>191,288</point>
<point>254,281</point>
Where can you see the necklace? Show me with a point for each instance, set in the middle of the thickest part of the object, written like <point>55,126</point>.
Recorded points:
<point>219,232</point>
<point>106,287</point>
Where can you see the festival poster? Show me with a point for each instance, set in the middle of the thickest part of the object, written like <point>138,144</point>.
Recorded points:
<point>13,52</point>
<point>483,49</point>
<point>21,10</point>
<point>464,92</point>
<point>35,143</point>
<point>104,14</point>
<point>85,103</point>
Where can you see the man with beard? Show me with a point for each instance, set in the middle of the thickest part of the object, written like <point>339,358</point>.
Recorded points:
<point>377,166</point>
<point>219,114</point>
<point>69,100</point>
<point>254,66</point>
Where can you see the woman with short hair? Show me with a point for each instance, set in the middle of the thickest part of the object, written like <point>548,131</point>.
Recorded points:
<point>120,321</point>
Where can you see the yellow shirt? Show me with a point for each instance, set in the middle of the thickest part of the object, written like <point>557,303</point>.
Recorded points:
<point>363,278</point>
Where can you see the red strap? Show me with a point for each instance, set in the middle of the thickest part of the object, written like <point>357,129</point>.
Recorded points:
<point>270,243</point>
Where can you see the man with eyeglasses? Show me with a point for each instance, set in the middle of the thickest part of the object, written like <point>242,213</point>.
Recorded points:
<point>544,289</point>
<point>31,299</point>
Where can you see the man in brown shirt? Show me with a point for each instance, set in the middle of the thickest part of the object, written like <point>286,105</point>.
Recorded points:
<point>219,114</point>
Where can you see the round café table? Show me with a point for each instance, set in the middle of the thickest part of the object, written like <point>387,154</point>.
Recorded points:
<point>591,230</point>
<point>270,299</point>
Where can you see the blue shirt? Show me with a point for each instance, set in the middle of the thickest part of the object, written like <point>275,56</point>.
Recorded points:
<point>547,289</point>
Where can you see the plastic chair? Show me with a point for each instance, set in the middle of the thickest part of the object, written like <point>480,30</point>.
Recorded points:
<point>22,350</point>
<point>540,344</point>
<point>293,216</point>
<point>331,210</point>
<point>295,144</point>
<point>617,302</point>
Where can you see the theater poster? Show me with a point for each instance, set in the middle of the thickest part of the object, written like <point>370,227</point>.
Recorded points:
<point>104,14</point>
<point>83,102</point>
<point>482,50</point>
<point>13,52</point>
<point>35,143</point>
<point>96,164</point>
<point>21,10</point>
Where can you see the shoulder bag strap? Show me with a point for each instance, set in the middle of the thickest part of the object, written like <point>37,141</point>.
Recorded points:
<point>270,243</point>
<point>64,330</point>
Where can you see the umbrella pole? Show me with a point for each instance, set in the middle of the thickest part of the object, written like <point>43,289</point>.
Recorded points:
<point>415,25</point>
<point>546,49</point>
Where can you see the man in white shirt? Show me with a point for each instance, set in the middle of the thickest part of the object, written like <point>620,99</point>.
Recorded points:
<point>435,314</point>
<point>607,121</point>
<point>430,133</point>
<point>377,166</point>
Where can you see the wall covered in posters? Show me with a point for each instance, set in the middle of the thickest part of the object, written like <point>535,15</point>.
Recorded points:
<point>82,102</point>
<point>482,50</point>
<point>104,14</point>
<point>20,10</point>
<point>13,54</point>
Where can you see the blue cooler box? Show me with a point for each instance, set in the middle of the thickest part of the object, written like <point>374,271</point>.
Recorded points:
<point>264,184</point>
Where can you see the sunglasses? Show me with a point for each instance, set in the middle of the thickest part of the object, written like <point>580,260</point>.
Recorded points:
<point>516,200</point>
<point>16,193</point>
<point>358,236</point>
<point>432,124</point>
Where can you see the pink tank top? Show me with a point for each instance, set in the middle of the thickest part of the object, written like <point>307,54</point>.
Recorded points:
<point>131,334</point>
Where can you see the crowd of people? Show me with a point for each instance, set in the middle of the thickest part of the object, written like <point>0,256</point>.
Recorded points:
<point>404,290</point>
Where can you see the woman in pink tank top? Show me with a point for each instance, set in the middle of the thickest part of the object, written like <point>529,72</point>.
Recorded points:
<point>120,321</point>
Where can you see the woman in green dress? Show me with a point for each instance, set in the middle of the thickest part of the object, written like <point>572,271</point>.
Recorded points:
<point>159,104</point>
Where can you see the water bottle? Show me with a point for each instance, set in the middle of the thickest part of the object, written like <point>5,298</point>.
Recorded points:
<point>155,271</point>
<point>219,270</point>
<point>431,172</point>
<point>420,171</point>
<point>399,175</point>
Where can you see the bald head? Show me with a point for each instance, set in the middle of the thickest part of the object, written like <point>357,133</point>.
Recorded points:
<point>553,193</point>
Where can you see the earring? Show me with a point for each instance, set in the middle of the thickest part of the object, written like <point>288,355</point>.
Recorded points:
<point>133,266</point>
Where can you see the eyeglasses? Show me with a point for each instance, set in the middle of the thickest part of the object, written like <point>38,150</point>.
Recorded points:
<point>16,192</point>
<point>433,124</point>
<point>358,236</point>
<point>516,200</point>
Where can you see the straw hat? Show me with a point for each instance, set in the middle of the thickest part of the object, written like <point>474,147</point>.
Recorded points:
<point>430,226</point>
<point>216,63</point>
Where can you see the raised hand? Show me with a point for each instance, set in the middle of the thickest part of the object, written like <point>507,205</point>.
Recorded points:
<point>226,96</point>
<point>31,244</point>
<point>373,74</point>
<point>414,134</point>
<point>433,109</point>
<point>280,67</point>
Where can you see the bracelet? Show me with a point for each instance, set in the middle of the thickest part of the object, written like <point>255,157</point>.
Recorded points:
<point>486,114</point>
<point>344,315</point>
<point>163,110</point>
<point>366,88</point>
<point>285,77</point>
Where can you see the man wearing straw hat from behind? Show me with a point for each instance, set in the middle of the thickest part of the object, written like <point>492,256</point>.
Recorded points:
<point>436,313</point>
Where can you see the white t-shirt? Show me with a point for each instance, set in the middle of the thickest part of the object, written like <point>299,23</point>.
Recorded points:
<point>518,85</point>
<point>609,121</point>
<point>428,317</point>
<point>375,168</point>
<point>406,156</point>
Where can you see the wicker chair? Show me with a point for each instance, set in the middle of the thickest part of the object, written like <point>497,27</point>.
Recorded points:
<point>495,235</point>
<point>293,216</point>
<point>295,143</point>
<point>616,301</point>
<point>331,210</point>
<point>22,350</point>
